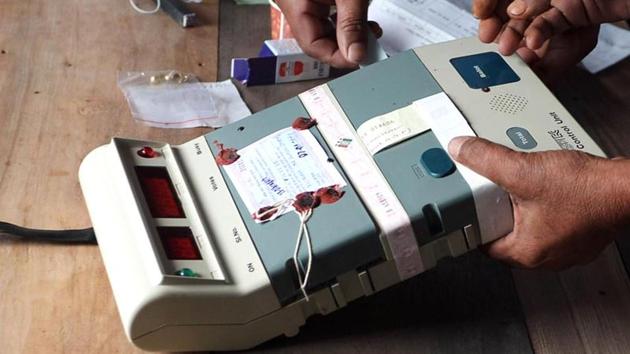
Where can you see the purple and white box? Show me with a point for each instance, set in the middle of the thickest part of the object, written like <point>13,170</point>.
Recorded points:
<point>280,60</point>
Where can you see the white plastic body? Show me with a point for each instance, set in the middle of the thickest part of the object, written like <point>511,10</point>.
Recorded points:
<point>232,304</point>
<point>238,310</point>
<point>164,312</point>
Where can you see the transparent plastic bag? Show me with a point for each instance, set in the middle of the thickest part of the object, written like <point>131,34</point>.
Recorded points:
<point>167,98</point>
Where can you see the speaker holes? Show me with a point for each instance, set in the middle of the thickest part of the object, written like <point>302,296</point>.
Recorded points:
<point>508,103</point>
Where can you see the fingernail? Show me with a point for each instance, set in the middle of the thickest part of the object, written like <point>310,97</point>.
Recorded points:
<point>455,145</point>
<point>517,8</point>
<point>356,52</point>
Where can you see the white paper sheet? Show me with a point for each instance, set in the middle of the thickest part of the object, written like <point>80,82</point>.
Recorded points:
<point>279,167</point>
<point>612,47</point>
<point>412,23</point>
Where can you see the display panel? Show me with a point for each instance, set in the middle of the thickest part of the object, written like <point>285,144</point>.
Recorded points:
<point>179,243</point>
<point>159,192</point>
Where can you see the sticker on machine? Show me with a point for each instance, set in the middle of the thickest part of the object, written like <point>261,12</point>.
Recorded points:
<point>273,170</point>
<point>391,128</point>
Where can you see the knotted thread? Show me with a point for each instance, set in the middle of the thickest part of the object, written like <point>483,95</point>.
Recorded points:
<point>271,213</point>
<point>304,216</point>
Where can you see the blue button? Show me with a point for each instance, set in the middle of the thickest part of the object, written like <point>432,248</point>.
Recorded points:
<point>437,162</point>
<point>484,70</point>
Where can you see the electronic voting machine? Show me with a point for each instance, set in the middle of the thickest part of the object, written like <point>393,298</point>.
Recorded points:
<point>240,235</point>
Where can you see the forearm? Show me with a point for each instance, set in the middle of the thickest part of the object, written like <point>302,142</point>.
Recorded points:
<point>614,182</point>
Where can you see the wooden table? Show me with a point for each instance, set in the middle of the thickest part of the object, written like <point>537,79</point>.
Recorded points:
<point>59,100</point>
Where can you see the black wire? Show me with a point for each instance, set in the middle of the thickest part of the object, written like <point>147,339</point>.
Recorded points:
<point>57,236</point>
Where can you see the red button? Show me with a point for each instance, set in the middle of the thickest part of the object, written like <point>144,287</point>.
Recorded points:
<point>147,152</point>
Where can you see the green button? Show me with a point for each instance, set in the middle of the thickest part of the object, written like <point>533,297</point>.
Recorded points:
<point>437,162</point>
<point>186,272</point>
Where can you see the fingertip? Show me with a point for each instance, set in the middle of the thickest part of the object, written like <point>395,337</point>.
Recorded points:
<point>517,8</point>
<point>527,9</point>
<point>455,145</point>
<point>356,52</point>
<point>483,37</point>
<point>338,60</point>
<point>483,9</point>
<point>530,42</point>
<point>509,42</point>
<point>489,29</point>
<point>496,162</point>
<point>341,63</point>
<point>527,55</point>
<point>505,47</point>
<point>534,39</point>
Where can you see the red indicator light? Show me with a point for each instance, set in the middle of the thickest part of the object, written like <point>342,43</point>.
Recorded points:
<point>147,152</point>
<point>179,243</point>
<point>298,68</point>
<point>159,192</point>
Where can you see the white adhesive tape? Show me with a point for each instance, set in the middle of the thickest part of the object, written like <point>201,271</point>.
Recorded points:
<point>366,178</point>
<point>492,204</point>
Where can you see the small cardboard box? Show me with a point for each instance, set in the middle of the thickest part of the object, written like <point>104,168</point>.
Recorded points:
<point>278,61</point>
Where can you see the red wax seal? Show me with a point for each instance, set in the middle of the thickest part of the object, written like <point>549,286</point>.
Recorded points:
<point>225,156</point>
<point>302,123</point>
<point>305,201</point>
<point>265,213</point>
<point>329,195</point>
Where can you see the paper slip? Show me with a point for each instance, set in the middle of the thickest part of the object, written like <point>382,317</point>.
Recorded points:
<point>613,46</point>
<point>412,23</point>
<point>230,106</point>
<point>391,128</point>
<point>280,166</point>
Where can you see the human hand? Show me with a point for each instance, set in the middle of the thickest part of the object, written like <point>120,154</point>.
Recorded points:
<point>536,21</point>
<point>568,205</point>
<point>343,47</point>
<point>561,53</point>
<point>550,35</point>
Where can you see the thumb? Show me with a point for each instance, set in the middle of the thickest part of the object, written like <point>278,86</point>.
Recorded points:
<point>352,29</point>
<point>498,163</point>
<point>527,9</point>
